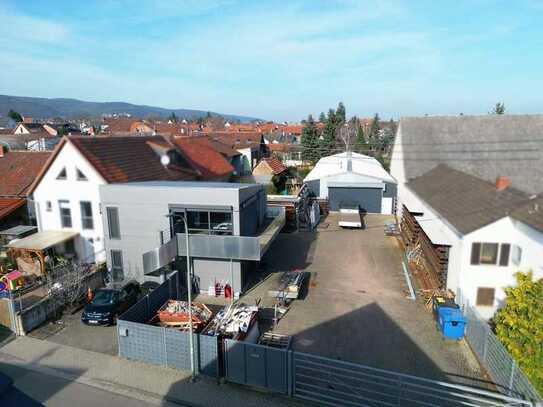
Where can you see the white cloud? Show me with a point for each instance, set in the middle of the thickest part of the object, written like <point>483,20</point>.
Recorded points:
<point>20,28</point>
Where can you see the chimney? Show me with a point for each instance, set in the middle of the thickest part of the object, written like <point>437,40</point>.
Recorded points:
<point>1,151</point>
<point>502,182</point>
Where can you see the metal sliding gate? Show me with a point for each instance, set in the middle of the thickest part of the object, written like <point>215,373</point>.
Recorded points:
<point>330,382</point>
<point>257,365</point>
<point>337,383</point>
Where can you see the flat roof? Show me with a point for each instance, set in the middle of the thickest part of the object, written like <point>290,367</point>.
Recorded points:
<point>18,230</point>
<point>43,240</point>
<point>432,227</point>
<point>184,184</point>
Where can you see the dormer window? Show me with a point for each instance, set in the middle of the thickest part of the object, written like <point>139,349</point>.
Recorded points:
<point>80,175</point>
<point>62,174</point>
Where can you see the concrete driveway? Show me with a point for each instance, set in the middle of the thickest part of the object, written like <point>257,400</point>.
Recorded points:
<point>71,331</point>
<point>356,308</point>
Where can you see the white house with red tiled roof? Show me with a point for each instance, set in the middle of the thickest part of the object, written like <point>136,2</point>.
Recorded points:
<point>66,192</point>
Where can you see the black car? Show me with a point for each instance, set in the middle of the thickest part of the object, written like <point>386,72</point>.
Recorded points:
<point>109,302</point>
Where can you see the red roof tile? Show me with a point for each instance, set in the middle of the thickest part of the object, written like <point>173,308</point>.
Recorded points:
<point>275,165</point>
<point>238,140</point>
<point>8,205</point>
<point>18,169</point>
<point>277,147</point>
<point>119,125</point>
<point>201,153</point>
<point>128,159</point>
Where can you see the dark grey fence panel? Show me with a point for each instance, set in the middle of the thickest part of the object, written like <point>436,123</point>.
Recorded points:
<point>177,349</point>
<point>141,342</point>
<point>257,365</point>
<point>234,353</point>
<point>208,353</point>
<point>162,346</point>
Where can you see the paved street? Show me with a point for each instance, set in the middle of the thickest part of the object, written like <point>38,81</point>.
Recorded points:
<point>127,378</point>
<point>54,391</point>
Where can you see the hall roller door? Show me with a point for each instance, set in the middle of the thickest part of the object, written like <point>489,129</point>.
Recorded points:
<point>368,199</point>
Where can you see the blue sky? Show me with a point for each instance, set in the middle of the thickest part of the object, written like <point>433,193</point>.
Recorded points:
<point>279,59</point>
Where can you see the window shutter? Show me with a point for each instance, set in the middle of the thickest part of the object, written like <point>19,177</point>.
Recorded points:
<point>504,254</point>
<point>475,253</point>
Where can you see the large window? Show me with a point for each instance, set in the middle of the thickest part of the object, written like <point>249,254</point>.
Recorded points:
<point>489,253</point>
<point>65,214</point>
<point>86,215</point>
<point>117,263</point>
<point>113,223</point>
<point>203,222</point>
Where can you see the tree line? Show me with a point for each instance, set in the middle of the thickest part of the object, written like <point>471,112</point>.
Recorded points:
<point>333,133</point>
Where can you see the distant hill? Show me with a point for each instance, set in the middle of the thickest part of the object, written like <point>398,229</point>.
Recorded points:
<point>43,108</point>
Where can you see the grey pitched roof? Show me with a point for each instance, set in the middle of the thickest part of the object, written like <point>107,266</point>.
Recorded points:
<point>464,201</point>
<point>484,146</point>
<point>531,213</point>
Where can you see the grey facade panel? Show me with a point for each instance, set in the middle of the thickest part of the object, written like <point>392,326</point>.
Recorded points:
<point>249,219</point>
<point>314,187</point>
<point>143,210</point>
<point>368,199</point>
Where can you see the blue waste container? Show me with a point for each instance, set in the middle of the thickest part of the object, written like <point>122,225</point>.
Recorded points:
<point>451,322</point>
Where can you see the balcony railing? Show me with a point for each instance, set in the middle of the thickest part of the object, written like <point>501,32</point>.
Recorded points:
<point>216,246</point>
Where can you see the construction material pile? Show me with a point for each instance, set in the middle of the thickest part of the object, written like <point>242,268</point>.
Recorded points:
<point>233,322</point>
<point>175,314</point>
<point>290,285</point>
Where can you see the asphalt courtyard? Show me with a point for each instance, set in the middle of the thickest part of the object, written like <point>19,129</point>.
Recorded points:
<point>356,307</point>
<point>71,331</point>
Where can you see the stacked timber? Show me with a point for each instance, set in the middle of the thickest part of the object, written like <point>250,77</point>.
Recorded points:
<point>290,285</point>
<point>175,314</point>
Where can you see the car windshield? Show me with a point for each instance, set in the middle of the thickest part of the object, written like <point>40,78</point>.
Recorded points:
<point>104,297</point>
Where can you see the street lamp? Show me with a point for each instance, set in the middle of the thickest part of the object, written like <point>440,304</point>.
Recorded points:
<point>193,367</point>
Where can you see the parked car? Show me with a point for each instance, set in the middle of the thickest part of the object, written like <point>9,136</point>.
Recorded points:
<point>350,217</point>
<point>111,301</point>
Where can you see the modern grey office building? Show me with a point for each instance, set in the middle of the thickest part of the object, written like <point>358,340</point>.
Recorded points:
<point>229,226</point>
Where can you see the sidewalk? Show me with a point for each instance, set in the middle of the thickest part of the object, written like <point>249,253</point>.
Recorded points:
<point>139,380</point>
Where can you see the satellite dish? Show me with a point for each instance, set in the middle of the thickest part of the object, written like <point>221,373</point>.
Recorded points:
<point>165,160</point>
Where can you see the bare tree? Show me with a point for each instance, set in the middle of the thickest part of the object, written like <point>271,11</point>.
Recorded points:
<point>347,133</point>
<point>66,282</point>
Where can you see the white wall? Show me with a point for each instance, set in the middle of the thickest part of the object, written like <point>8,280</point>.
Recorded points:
<point>74,191</point>
<point>483,275</point>
<point>386,206</point>
<point>397,169</point>
<point>531,242</point>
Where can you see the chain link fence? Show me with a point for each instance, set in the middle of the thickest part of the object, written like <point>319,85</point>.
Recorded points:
<point>499,364</point>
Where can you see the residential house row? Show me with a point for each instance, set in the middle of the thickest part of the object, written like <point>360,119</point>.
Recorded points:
<point>469,200</point>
